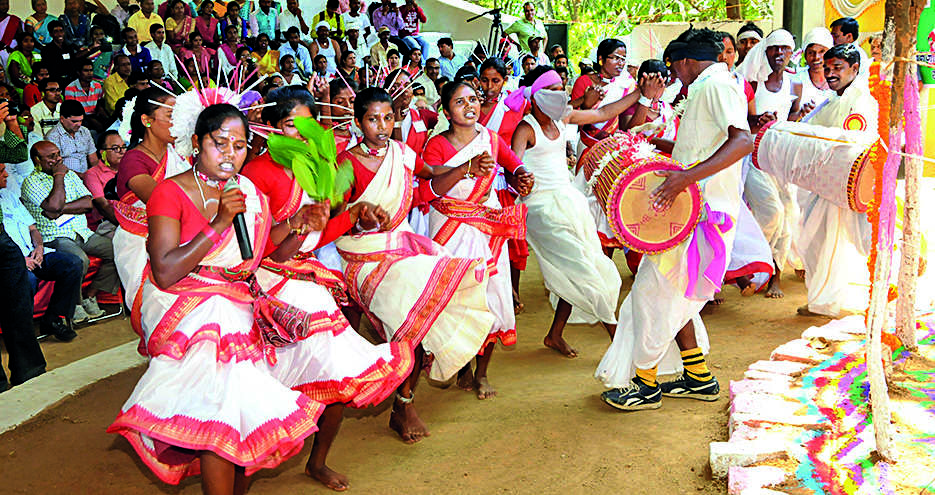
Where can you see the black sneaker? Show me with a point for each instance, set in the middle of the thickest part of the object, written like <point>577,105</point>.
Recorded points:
<point>58,329</point>
<point>688,387</point>
<point>635,397</point>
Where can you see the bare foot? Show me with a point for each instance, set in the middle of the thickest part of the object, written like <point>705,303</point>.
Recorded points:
<point>717,301</point>
<point>518,306</point>
<point>466,378</point>
<point>405,422</point>
<point>773,291</point>
<point>484,389</point>
<point>748,290</point>
<point>561,346</point>
<point>328,477</point>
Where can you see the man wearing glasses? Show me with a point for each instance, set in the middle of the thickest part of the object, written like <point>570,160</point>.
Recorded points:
<point>110,149</point>
<point>46,113</point>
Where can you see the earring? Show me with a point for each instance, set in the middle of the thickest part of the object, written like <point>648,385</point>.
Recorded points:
<point>195,152</point>
<point>148,124</point>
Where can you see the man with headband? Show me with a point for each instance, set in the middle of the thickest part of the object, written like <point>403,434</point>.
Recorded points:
<point>834,241</point>
<point>659,319</point>
<point>776,97</point>
<point>814,87</point>
<point>747,37</point>
<point>559,226</point>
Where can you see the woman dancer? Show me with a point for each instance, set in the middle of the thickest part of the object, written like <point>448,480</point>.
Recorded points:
<point>496,116</point>
<point>411,288</point>
<point>150,160</point>
<point>560,230</point>
<point>342,111</point>
<point>470,222</point>
<point>606,86</point>
<point>217,398</point>
<point>350,369</point>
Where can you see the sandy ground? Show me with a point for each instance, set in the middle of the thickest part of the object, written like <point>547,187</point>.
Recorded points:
<point>546,432</point>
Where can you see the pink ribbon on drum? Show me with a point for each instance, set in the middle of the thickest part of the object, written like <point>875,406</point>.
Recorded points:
<point>711,270</point>
<point>517,99</point>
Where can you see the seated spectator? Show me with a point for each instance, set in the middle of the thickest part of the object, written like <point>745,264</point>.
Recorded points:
<point>31,92</point>
<point>286,68</point>
<point>19,339</point>
<point>347,68</point>
<point>179,24</point>
<point>388,16</point>
<point>60,267</point>
<point>379,49</point>
<point>414,62</point>
<point>332,18</point>
<point>139,56</point>
<point>324,45</point>
<point>243,67</point>
<point>321,67</point>
<point>101,53</point>
<point>360,19</point>
<point>300,55</point>
<point>449,60</point>
<point>137,80</point>
<point>88,92</point>
<point>292,18</point>
<point>207,25</point>
<point>199,80</point>
<point>413,17</point>
<point>20,62</point>
<point>266,60</point>
<point>563,73</point>
<point>38,22</point>
<point>427,79</point>
<point>123,11</point>
<point>77,25</point>
<point>73,140</point>
<point>227,53</point>
<point>265,20</point>
<point>161,51</point>
<point>45,113</point>
<point>155,74</point>
<point>110,150</point>
<point>116,84</point>
<point>142,20</point>
<point>232,19</point>
<point>58,56</point>
<point>58,202</point>
<point>393,60</point>
<point>204,56</point>
<point>556,50</point>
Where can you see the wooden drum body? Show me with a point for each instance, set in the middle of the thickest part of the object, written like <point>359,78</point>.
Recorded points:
<point>830,162</point>
<point>622,173</point>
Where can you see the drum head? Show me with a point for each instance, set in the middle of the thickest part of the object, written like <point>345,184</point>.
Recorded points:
<point>633,218</point>
<point>861,181</point>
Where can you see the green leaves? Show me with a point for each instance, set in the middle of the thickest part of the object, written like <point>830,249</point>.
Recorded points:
<point>313,161</point>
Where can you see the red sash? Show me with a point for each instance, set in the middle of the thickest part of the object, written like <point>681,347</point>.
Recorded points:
<point>133,218</point>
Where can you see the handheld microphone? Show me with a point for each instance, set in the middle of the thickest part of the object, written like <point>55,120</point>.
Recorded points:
<point>240,225</point>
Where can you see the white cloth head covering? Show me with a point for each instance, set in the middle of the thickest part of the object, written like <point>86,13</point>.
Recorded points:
<point>820,36</point>
<point>755,67</point>
<point>352,23</point>
<point>322,24</point>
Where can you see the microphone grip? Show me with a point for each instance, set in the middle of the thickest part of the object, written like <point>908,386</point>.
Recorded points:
<point>240,226</point>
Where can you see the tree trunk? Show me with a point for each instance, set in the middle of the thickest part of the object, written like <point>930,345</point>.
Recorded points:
<point>734,9</point>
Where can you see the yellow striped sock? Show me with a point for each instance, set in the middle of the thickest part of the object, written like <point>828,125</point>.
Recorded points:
<point>695,365</point>
<point>648,377</point>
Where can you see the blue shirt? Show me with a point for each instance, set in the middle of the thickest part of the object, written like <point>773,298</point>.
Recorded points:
<point>450,67</point>
<point>303,59</point>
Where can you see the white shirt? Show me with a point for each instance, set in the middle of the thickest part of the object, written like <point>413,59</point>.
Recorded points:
<point>714,104</point>
<point>856,109</point>
<point>288,20</point>
<point>165,56</point>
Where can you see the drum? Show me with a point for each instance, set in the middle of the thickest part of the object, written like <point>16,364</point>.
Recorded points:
<point>831,162</point>
<point>622,179</point>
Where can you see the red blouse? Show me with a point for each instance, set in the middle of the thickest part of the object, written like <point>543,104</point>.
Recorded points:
<point>508,124</point>
<point>439,150</point>
<point>169,200</point>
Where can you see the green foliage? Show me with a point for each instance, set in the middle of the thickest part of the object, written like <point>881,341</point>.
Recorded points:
<point>590,21</point>
<point>313,161</point>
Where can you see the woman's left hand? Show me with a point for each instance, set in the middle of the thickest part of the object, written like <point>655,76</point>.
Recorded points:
<point>676,181</point>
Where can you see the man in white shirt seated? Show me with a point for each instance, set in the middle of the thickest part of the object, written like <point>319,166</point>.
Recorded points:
<point>161,51</point>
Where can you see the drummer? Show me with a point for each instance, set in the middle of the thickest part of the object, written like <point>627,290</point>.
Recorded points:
<point>835,241</point>
<point>777,96</point>
<point>660,316</point>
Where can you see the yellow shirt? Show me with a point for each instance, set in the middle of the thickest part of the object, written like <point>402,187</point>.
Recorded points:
<point>141,25</point>
<point>378,53</point>
<point>269,63</point>
<point>114,89</point>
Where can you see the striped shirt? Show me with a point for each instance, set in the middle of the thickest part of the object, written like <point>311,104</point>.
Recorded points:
<point>37,187</point>
<point>75,91</point>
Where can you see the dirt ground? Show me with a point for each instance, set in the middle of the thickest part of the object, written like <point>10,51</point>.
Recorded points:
<point>546,432</point>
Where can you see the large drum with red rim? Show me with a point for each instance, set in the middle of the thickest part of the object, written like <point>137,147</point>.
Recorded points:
<point>622,170</point>
<point>833,163</point>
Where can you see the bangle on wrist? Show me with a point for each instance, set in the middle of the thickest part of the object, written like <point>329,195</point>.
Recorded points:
<point>646,101</point>
<point>468,174</point>
<point>292,229</point>
<point>211,234</point>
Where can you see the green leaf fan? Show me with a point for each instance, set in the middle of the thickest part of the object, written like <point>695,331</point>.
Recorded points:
<point>314,161</point>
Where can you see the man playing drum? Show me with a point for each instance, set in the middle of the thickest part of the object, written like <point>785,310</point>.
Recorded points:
<point>834,241</point>
<point>659,319</point>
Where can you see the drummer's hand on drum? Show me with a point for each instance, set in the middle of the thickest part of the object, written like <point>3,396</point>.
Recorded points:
<point>481,165</point>
<point>807,108</point>
<point>676,181</point>
<point>592,96</point>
